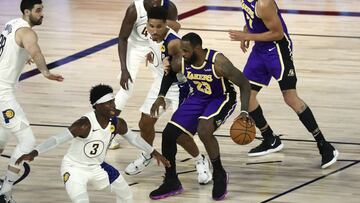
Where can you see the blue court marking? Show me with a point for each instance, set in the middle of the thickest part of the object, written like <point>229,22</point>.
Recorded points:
<point>71,58</point>
<point>190,13</point>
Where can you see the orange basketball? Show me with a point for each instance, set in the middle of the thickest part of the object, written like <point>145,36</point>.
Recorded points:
<point>242,132</point>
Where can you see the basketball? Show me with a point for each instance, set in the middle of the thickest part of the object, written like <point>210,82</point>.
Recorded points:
<point>242,132</point>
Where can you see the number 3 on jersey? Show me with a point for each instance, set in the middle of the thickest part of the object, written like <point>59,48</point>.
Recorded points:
<point>2,43</point>
<point>94,148</point>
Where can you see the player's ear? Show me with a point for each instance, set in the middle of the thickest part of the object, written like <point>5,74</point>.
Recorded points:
<point>27,12</point>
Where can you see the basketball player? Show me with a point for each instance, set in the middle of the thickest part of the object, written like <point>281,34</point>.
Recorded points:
<point>133,46</point>
<point>91,135</point>
<point>18,45</point>
<point>271,56</point>
<point>165,42</point>
<point>211,76</point>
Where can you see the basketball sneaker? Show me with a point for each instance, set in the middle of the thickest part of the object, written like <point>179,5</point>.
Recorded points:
<point>267,147</point>
<point>328,154</point>
<point>219,191</point>
<point>202,168</point>
<point>115,143</point>
<point>169,187</point>
<point>139,164</point>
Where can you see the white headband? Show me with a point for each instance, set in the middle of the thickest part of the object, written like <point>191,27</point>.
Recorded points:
<point>105,98</point>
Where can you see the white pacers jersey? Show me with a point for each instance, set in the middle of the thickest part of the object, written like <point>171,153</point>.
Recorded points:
<point>91,150</point>
<point>12,57</point>
<point>159,52</point>
<point>139,33</point>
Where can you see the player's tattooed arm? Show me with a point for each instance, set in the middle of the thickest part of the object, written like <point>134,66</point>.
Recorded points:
<point>224,68</point>
<point>81,127</point>
<point>174,48</point>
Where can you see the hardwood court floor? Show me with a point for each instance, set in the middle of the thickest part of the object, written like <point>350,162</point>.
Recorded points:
<point>326,55</point>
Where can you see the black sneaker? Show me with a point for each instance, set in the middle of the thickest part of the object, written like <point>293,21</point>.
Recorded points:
<point>2,199</point>
<point>169,187</point>
<point>267,147</point>
<point>328,154</point>
<point>6,199</point>
<point>219,190</point>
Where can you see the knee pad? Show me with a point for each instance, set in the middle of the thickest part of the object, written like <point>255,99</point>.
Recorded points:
<point>171,132</point>
<point>121,189</point>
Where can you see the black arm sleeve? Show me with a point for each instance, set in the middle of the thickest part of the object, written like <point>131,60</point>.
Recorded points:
<point>166,82</point>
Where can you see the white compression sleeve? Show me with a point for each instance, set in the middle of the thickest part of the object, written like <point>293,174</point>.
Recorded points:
<point>136,140</point>
<point>54,141</point>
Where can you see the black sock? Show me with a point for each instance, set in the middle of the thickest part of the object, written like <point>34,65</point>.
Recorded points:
<point>260,123</point>
<point>267,133</point>
<point>308,119</point>
<point>217,166</point>
<point>169,148</point>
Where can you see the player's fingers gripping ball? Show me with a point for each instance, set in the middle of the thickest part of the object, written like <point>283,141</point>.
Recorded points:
<point>242,131</point>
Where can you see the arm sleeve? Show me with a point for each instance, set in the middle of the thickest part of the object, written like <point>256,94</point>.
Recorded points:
<point>136,140</point>
<point>54,141</point>
<point>166,82</point>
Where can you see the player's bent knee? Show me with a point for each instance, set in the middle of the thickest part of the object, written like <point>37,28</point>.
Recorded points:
<point>171,133</point>
<point>26,140</point>
<point>205,127</point>
<point>146,123</point>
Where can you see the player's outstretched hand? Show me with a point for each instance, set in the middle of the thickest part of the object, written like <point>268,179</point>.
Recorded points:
<point>160,158</point>
<point>27,157</point>
<point>55,77</point>
<point>160,101</point>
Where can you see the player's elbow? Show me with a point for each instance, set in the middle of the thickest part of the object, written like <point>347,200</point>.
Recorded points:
<point>278,35</point>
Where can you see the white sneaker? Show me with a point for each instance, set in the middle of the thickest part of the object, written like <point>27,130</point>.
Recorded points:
<point>138,165</point>
<point>203,171</point>
<point>115,144</point>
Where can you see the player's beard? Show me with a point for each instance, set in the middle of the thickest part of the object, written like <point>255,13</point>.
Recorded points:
<point>191,60</point>
<point>35,21</point>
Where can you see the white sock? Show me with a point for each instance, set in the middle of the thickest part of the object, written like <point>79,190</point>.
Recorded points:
<point>10,178</point>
